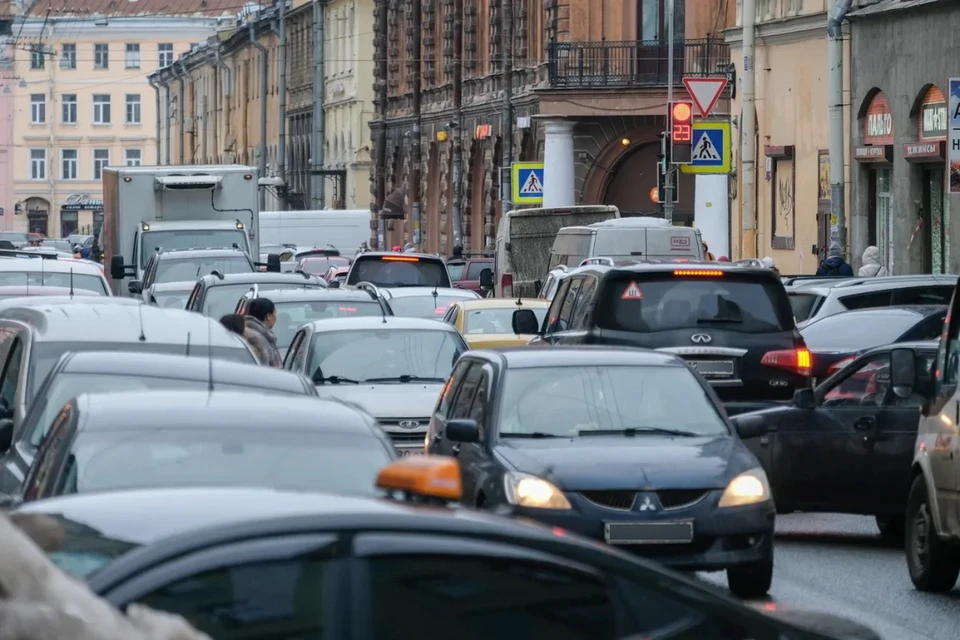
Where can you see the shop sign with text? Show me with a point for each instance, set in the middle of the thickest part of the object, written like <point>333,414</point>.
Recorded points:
<point>79,202</point>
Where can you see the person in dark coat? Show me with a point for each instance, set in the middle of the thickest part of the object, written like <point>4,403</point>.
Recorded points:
<point>835,264</point>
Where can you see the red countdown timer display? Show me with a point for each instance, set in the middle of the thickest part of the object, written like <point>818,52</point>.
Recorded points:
<point>681,115</point>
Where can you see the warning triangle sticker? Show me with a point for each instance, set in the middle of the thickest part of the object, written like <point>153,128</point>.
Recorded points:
<point>632,292</point>
<point>532,185</point>
<point>705,150</point>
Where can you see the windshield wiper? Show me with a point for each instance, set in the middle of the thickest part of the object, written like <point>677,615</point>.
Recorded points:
<point>632,431</point>
<point>405,378</point>
<point>334,380</point>
<point>719,320</point>
<point>534,435</point>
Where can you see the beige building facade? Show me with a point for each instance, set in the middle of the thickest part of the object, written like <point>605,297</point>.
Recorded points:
<point>793,165</point>
<point>83,102</point>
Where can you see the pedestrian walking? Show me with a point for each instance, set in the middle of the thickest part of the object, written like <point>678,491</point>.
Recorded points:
<point>768,263</point>
<point>871,263</point>
<point>706,252</point>
<point>834,264</point>
<point>261,316</point>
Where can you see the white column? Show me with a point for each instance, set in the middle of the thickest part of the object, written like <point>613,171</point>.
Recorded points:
<point>558,160</point>
<point>711,212</point>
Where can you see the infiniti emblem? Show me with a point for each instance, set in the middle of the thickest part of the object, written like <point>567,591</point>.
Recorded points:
<point>647,505</point>
<point>409,424</point>
<point>700,338</point>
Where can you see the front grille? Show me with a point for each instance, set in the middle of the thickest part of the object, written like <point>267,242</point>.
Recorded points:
<point>620,500</point>
<point>392,424</point>
<point>404,439</point>
<point>679,498</point>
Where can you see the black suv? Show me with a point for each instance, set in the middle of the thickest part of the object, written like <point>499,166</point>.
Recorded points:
<point>733,324</point>
<point>385,269</point>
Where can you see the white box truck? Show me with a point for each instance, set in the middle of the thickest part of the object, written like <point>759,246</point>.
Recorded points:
<point>146,209</point>
<point>343,229</point>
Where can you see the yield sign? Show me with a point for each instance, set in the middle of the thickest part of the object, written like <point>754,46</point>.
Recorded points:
<point>705,92</point>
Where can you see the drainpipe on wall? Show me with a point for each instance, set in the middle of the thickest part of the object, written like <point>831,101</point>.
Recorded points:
<point>416,150</point>
<point>835,112</point>
<point>317,160</point>
<point>185,75</point>
<point>227,91</point>
<point>506,125</point>
<point>282,124</point>
<point>748,136</point>
<point>180,100</point>
<point>458,125</point>
<point>156,90</point>
<point>262,147</point>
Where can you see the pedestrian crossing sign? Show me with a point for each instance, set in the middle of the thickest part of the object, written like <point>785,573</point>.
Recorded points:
<point>711,148</point>
<point>527,181</point>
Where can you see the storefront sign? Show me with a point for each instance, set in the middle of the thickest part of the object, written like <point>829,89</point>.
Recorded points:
<point>79,202</point>
<point>953,160</point>
<point>933,123</point>
<point>878,153</point>
<point>878,122</point>
<point>924,151</point>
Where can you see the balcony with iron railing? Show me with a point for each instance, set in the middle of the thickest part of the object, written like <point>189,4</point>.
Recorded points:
<point>639,63</point>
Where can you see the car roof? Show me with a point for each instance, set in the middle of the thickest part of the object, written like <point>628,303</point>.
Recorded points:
<point>187,254</point>
<point>826,286</point>
<point>121,323</point>
<point>259,278</point>
<point>573,356</point>
<point>502,303</point>
<point>318,294</point>
<point>46,265</point>
<point>163,365</point>
<point>161,225</point>
<point>46,291</point>
<point>380,254</point>
<point>380,323</point>
<point>412,292</point>
<point>232,410</point>
<point>40,301</point>
<point>901,311</point>
<point>666,266</point>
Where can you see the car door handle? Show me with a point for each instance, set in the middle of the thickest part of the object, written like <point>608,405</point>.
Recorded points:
<point>864,424</point>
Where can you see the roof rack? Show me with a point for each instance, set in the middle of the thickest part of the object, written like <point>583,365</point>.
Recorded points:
<point>607,262</point>
<point>748,262</point>
<point>218,273</point>
<point>16,253</point>
<point>370,288</point>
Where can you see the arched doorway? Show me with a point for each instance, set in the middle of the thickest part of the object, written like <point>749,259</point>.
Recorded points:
<point>38,215</point>
<point>633,178</point>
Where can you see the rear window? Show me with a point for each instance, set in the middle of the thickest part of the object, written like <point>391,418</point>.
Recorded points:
<point>666,302</point>
<point>399,271</point>
<point>804,305</point>
<point>849,333</point>
<point>473,271</point>
<point>456,270</point>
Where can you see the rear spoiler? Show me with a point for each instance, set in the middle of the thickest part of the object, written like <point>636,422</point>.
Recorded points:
<point>14,253</point>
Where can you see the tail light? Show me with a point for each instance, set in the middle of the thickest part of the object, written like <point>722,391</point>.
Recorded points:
<point>798,360</point>
<point>506,282</point>
<point>839,364</point>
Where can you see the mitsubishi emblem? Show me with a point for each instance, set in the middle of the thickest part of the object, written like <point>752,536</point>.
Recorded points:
<point>647,505</point>
<point>700,338</point>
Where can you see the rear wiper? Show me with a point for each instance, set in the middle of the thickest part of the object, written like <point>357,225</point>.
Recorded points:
<point>719,320</point>
<point>334,380</point>
<point>632,431</point>
<point>535,434</point>
<point>404,378</point>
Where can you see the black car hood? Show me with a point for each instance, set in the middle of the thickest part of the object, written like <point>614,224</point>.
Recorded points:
<point>829,625</point>
<point>642,462</point>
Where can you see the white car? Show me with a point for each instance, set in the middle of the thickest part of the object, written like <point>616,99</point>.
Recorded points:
<point>423,302</point>
<point>43,269</point>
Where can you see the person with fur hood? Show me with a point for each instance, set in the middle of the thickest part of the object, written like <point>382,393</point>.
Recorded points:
<point>871,263</point>
<point>261,316</point>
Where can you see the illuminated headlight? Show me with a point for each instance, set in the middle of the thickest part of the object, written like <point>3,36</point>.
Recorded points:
<point>750,487</point>
<point>524,490</point>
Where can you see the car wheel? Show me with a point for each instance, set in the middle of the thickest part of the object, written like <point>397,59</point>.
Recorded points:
<point>750,581</point>
<point>933,564</point>
<point>892,530</point>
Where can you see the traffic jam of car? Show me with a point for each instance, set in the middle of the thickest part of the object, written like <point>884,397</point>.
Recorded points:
<point>419,446</point>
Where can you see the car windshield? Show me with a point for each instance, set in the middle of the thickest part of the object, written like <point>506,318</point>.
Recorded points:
<point>222,299</point>
<point>853,332</point>
<point>399,271</point>
<point>40,278</point>
<point>13,236</point>
<point>270,456</point>
<point>293,315</point>
<point>68,385</point>
<point>177,269</point>
<point>569,401</point>
<point>397,355</point>
<point>456,270</point>
<point>46,354</point>
<point>484,321</point>
<point>667,302</point>
<point>425,306</point>
<point>171,299</point>
<point>190,239</point>
<point>804,305</point>
<point>320,265</point>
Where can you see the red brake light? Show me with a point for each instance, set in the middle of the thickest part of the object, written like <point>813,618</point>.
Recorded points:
<point>506,280</point>
<point>399,259</point>
<point>839,364</point>
<point>348,309</point>
<point>797,360</point>
<point>440,311</point>
<point>698,272</point>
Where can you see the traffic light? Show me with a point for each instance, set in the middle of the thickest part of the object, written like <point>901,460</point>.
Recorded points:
<point>681,132</point>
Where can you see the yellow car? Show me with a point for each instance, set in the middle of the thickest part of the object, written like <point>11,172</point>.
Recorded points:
<point>488,322</point>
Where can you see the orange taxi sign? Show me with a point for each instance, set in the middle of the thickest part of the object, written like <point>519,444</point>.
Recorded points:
<point>429,476</point>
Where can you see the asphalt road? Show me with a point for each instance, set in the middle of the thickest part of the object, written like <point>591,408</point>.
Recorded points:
<point>837,564</point>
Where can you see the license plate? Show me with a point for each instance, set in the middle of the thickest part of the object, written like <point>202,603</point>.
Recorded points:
<point>406,453</point>
<point>713,368</point>
<point>648,532</point>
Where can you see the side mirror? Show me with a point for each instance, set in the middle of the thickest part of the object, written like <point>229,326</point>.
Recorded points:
<point>486,279</point>
<point>118,270</point>
<point>273,263</point>
<point>135,287</point>
<point>335,284</point>
<point>903,372</point>
<point>462,431</point>
<point>804,399</point>
<point>525,322</point>
<point>6,435</point>
<point>750,426</point>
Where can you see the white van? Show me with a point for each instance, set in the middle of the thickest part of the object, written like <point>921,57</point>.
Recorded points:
<point>344,229</point>
<point>626,239</point>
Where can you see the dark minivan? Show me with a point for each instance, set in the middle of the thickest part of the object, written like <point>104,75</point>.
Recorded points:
<point>732,324</point>
<point>385,269</point>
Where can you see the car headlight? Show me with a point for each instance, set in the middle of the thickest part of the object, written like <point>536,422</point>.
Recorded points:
<point>525,490</point>
<point>750,487</point>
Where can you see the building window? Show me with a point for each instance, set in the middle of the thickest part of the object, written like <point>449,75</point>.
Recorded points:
<point>132,157</point>
<point>133,56</point>
<point>101,159</point>
<point>68,57</point>
<point>792,7</point>
<point>36,56</point>
<point>763,10</point>
<point>68,164</point>
<point>38,108</point>
<point>38,164</point>
<point>68,223</point>
<point>69,103</point>
<point>165,54</point>
<point>133,108</point>
<point>101,108</point>
<point>101,56</point>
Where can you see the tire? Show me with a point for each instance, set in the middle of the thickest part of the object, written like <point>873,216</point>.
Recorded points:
<point>933,564</point>
<point>751,581</point>
<point>892,530</point>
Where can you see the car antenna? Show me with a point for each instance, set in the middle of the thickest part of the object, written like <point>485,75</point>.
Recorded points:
<point>209,358</point>
<point>188,344</point>
<point>41,271</point>
<point>143,336</point>
<point>71,282</point>
<point>28,282</point>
